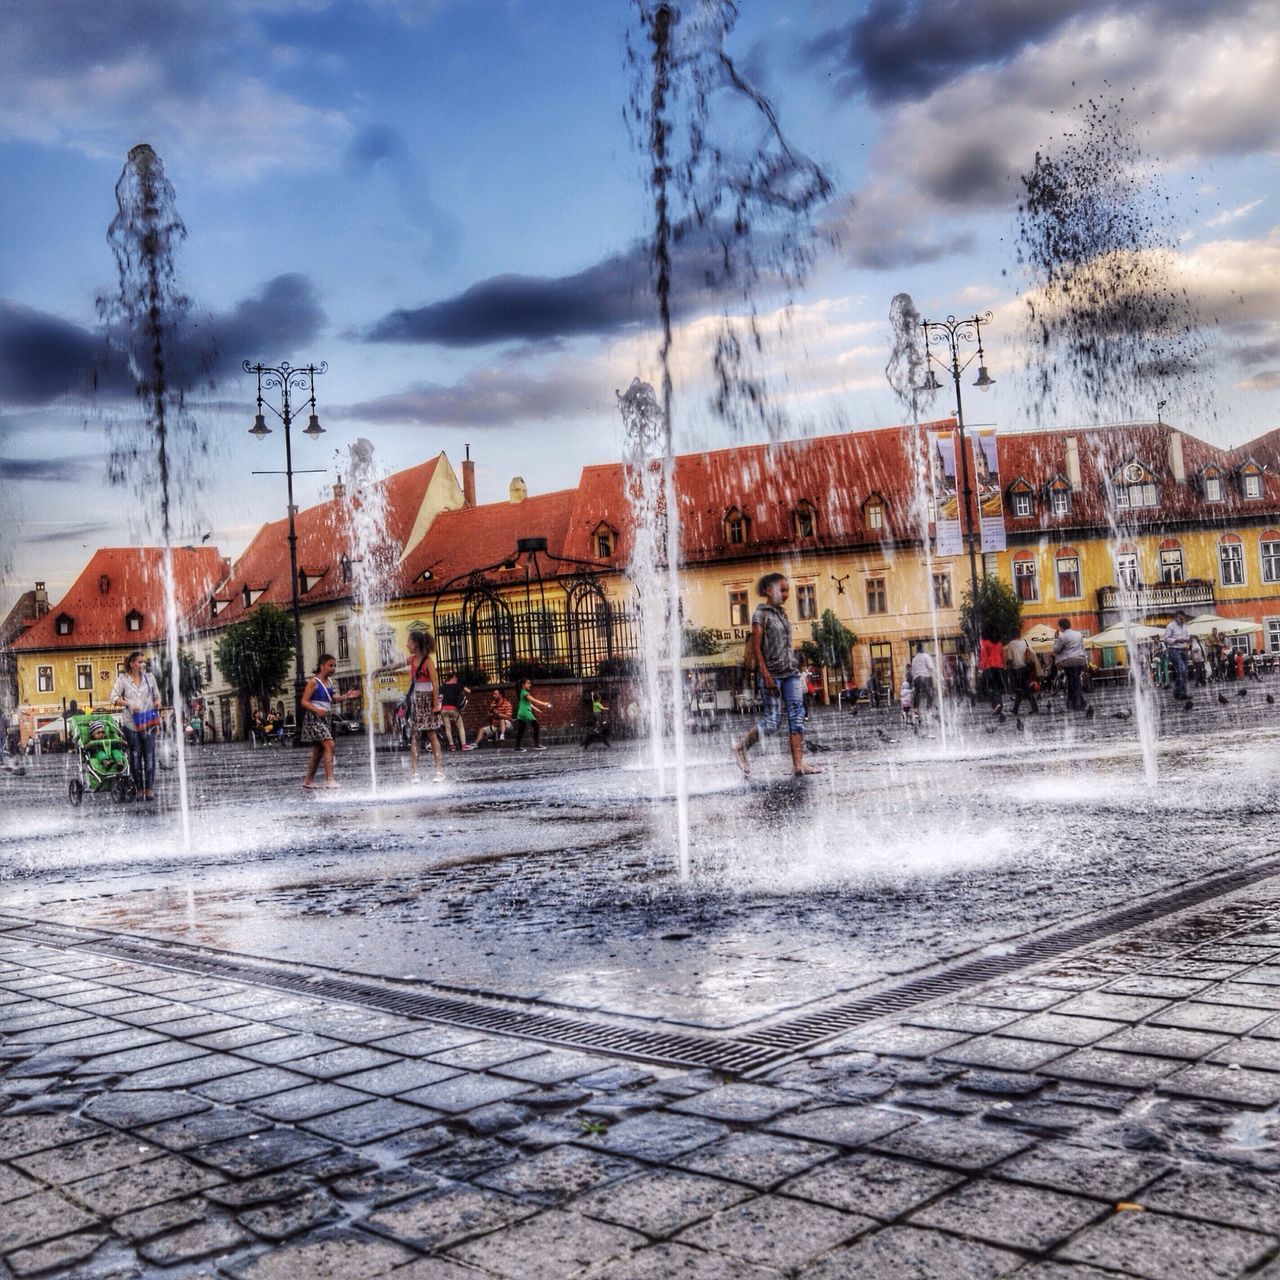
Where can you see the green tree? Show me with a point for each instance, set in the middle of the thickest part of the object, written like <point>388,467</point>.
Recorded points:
<point>832,643</point>
<point>190,675</point>
<point>256,653</point>
<point>998,607</point>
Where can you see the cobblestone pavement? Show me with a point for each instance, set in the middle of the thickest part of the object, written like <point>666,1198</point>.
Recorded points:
<point>1113,1113</point>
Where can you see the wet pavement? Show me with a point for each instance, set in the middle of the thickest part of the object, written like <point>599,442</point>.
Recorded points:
<point>1113,1111</point>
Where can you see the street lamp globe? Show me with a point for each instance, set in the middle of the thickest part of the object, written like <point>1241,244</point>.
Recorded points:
<point>260,428</point>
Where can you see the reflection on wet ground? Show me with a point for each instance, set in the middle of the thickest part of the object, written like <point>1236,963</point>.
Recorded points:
<point>550,877</point>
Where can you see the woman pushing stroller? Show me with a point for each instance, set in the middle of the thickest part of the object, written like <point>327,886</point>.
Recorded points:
<point>136,691</point>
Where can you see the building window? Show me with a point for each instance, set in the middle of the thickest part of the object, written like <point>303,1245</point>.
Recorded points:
<point>604,545</point>
<point>208,668</point>
<point>84,675</point>
<point>942,591</point>
<point>320,649</point>
<point>386,646</point>
<point>1253,486</point>
<point>1212,489</point>
<point>1273,635</point>
<point>44,679</point>
<point>344,565</point>
<point>1171,566</point>
<point>1127,574</point>
<point>133,620</point>
<point>877,598</point>
<point>1068,571</point>
<point>1060,502</point>
<point>1021,504</point>
<point>1270,558</point>
<point>343,650</point>
<point>735,528</point>
<point>1137,495</point>
<point>63,624</point>
<point>739,609</point>
<point>873,514</point>
<point>806,600</point>
<point>1231,561</point>
<point>1025,580</point>
<point>805,521</point>
<point>882,666</point>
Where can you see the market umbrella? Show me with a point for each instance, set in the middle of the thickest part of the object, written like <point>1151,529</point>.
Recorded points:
<point>1040,637</point>
<point>1120,635</point>
<point>1210,622</point>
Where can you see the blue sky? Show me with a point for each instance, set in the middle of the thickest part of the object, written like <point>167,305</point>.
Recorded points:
<point>457,175</point>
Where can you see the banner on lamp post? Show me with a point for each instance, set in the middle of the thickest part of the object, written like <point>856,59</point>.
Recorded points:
<point>986,464</point>
<point>946,494</point>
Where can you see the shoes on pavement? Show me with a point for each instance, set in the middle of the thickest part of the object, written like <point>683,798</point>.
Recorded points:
<point>415,777</point>
<point>438,777</point>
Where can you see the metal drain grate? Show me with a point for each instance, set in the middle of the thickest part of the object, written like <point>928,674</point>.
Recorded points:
<point>743,1054</point>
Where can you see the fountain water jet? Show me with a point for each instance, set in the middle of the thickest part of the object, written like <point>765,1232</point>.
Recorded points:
<point>145,318</point>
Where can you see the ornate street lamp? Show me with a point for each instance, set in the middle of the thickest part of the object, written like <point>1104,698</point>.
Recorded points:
<point>286,379</point>
<point>951,333</point>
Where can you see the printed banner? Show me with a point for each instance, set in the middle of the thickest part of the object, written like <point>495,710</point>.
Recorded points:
<point>986,483</point>
<point>946,494</point>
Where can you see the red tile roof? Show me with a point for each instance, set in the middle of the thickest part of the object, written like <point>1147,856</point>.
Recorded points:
<point>836,475</point>
<point>1038,456</point>
<point>323,540</point>
<point>116,581</point>
<point>474,537</point>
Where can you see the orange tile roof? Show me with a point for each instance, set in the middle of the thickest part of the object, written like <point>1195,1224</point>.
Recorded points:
<point>116,581</point>
<point>322,542</point>
<point>766,482</point>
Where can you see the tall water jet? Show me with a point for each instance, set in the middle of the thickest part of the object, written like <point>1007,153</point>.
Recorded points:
<point>145,321</point>
<point>906,371</point>
<point>1107,322</point>
<point>373,555</point>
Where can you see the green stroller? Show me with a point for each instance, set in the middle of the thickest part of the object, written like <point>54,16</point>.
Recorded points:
<point>102,761</point>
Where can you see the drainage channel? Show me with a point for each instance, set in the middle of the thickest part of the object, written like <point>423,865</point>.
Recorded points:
<point>743,1054</point>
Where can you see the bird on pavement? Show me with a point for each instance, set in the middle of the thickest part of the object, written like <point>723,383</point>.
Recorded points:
<point>1186,706</point>
<point>1222,700</point>
<point>1089,713</point>
<point>1120,715</point>
<point>1271,701</point>
<point>1242,693</point>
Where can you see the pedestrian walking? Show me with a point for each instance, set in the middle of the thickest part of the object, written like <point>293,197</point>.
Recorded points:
<point>317,729</point>
<point>597,722</point>
<point>778,674</point>
<point>991,669</point>
<point>922,681</point>
<point>1069,656</point>
<point>422,703</point>
<point>906,700</point>
<point>136,691</point>
<point>526,716</point>
<point>1177,649</point>
<point>453,698</point>
<point>1023,670</point>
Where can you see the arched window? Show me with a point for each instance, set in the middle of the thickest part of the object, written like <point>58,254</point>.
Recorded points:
<point>873,513</point>
<point>1231,560</point>
<point>604,541</point>
<point>737,527</point>
<point>1025,577</point>
<point>1066,564</point>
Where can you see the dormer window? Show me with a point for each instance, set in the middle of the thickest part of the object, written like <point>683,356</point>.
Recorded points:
<point>804,520</point>
<point>216,606</point>
<point>63,624</point>
<point>605,541</point>
<point>736,527</point>
<point>1021,499</point>
<point>249,596</point>
<point>133,620</point>
<point>307,580</point>
<point>873,512</point>
<point>1211,484</point>
<point>1021,505</point>
<point>1135,486</point>
<point>1251,479</point>
<point>344,564</point>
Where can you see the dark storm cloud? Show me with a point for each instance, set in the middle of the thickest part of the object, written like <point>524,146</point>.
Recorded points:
<point>44,358</point>
<point>54,470</point>
<point>86,532</point>
<point>903,50</point>
<point>494,397</point>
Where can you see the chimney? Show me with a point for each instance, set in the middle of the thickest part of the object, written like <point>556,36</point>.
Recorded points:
<point>516,491</point>
<point>1073,462</point>
<point>1176,464</point>
<point>468,479</point>
<point>339,490</point>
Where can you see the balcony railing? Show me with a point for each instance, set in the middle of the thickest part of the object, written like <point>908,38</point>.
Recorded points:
<point>1156,597</point>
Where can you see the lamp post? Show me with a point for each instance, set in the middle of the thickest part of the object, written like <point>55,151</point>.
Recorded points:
<point>951,333</point>
<point>285,379</point>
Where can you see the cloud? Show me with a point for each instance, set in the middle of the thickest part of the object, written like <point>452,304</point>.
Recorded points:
<point>53,470</point>
<point>492,397</point>
<point>97,77</point>
<point>1231,215</point>
<point>69,531</point>
<point>44,358</point>
<point>1266,381</point>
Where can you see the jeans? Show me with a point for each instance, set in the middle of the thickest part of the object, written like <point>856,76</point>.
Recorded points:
<point>789,692</point>
<point>1022,678</point>
<point>142,758</point>
<point>1178,661</point>
<point>922,693</point>
<point>1075,691</point>
<point>532,727</point>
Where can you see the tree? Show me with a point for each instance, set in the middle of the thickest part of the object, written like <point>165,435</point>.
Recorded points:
<point>190,675</point>
<point>832,643</point>
<point>255,654</point>
<point>998,606</point>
